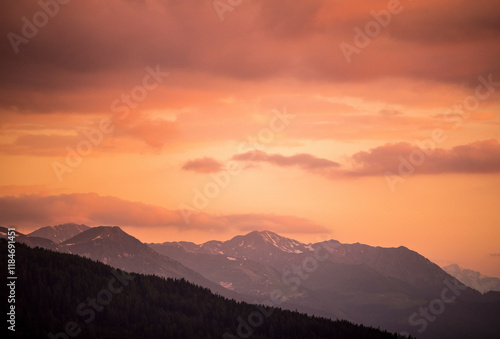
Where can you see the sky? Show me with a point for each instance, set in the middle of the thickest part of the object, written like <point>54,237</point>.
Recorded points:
<point>362,121</point>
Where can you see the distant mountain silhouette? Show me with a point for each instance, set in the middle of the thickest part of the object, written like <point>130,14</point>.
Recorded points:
<point>145,306</point>
<point>59,233</point>
<point>375,286</point>
<point>473,279</point>
<point>370,285</point>
<point>32,241</point>
<point>112,246</point>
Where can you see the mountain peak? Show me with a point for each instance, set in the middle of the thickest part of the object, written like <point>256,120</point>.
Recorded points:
<point>102,233</point>
<point>269,234</point>
<point>473,279</point>
<point>59,233</point>
<point>264,234</point>
<point>272,239</point>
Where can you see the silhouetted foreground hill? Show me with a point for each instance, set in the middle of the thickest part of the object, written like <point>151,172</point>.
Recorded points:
<point>63,296</point>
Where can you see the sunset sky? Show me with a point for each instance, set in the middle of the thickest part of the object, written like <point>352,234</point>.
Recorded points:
<point>362,121</point>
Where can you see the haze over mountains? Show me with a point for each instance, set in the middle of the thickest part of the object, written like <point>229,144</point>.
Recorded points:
<point>390,288</point>
<point>473,279</point>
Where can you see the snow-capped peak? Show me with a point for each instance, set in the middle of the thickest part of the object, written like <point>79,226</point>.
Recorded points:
<point>282,243</point>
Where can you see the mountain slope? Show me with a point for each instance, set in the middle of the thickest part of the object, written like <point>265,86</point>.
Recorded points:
<point>31,241</point>
<point>248,264</point>
<point>112,246</point>
<point>399,263</point>
<point>261,246</point>
<point>370,285</point>
<point>144,306</point>
<point>237,274</point>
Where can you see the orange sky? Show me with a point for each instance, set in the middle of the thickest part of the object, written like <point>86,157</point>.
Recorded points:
<point>162,118</point>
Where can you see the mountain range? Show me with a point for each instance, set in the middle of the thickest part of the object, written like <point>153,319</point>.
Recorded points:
<point>390,288</point>
<point>129,305</point>
<point>473,279</point>
<point>370,285</point>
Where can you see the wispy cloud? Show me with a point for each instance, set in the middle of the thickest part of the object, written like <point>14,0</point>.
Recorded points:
<point>150,132</point>
<point>303,160</point>
<point>203,165</point>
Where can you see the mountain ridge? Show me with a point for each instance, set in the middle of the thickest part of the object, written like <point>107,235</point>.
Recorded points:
<point>361,283</point>
<point>145,306</point>
<point>473,279</point>
<point>59,233</point>
<point>375,286</point>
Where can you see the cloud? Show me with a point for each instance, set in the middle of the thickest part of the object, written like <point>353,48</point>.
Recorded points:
<point>40,145</point>
<point>92,209</point>
<point>16,190</point>
<point>438,24</point>
<point>153,133</point>
<point>203,165</point>
<point>495,254</point>
<point>473,158</point>
<point>300,39</point>
<point>303,160</point>
<point>476,157</point>
<point>276,223</point>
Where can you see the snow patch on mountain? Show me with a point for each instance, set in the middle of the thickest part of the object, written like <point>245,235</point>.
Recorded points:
<point>282,243</point>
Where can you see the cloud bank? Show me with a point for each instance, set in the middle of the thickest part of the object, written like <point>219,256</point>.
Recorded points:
<point>93,209</point>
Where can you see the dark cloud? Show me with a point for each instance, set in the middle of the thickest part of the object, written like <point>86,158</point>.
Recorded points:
<point>203,165</point>
<point>304,161</point>
<point>476,157</point>
<point>426,158</point>
<point>106,45</point>
<point>449,22</point>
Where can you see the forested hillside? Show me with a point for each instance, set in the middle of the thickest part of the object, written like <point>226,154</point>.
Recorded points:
<point>64,294</point>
